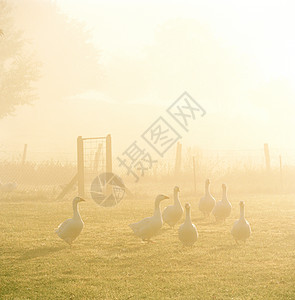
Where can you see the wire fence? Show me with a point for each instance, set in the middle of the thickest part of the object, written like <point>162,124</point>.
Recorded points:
<point>52,174</point>
<point>94,159</point>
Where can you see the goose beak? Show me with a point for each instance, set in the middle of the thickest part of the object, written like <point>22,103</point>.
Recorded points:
<point>166,197</point>
<point>82,200</point>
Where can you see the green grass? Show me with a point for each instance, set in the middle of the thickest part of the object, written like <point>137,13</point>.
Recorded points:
<point>108,262</point>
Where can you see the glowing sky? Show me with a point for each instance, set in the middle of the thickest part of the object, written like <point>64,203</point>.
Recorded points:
<point>256,34</point>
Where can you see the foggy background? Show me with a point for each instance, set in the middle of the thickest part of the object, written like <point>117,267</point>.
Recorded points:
<point>112,67</point>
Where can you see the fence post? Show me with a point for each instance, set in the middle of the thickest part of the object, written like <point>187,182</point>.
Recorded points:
<point>267,157</point>
<point>178,159</point>
<point>80,166</point>
<point>109,165</point>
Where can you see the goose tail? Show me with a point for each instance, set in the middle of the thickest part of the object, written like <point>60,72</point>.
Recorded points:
<point>134,227</point>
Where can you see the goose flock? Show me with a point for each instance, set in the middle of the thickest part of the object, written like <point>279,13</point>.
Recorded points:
<point>148,227</point>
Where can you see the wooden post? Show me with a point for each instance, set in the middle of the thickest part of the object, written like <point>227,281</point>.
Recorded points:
<point>109,165</point>
<point>80,166</point>
<point>195,180</point>
<point>24,154</point>
<point>267,157</point>
<point>178,159</point>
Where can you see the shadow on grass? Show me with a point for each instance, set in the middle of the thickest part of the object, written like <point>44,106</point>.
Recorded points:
<point>223,248</point>
<point>169,229</point>
<point>204,222</point>
<point>200,219</point>
<point>40,252</point>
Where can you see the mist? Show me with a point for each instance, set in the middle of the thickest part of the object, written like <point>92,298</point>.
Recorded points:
<point>146,149</point>
<point>93,79</point>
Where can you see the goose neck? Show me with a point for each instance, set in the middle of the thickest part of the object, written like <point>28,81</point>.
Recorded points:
<point>76,210</point>
<point>242,212</point>
<point>224,195</point>
<point>176,198</point>
<point>157,208</point>
<point>188,216</point>
<point>207,189</point>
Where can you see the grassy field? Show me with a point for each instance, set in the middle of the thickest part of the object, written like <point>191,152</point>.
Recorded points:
<point>108,262</point>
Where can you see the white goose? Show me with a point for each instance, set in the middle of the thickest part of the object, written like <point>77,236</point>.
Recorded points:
<point>207,202</point>
<point>173,213</point>
<point>241,229</point>
<point>222,209</point>
<point>187,232</point>
<point>148,227</point>
<point>71,228</point>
